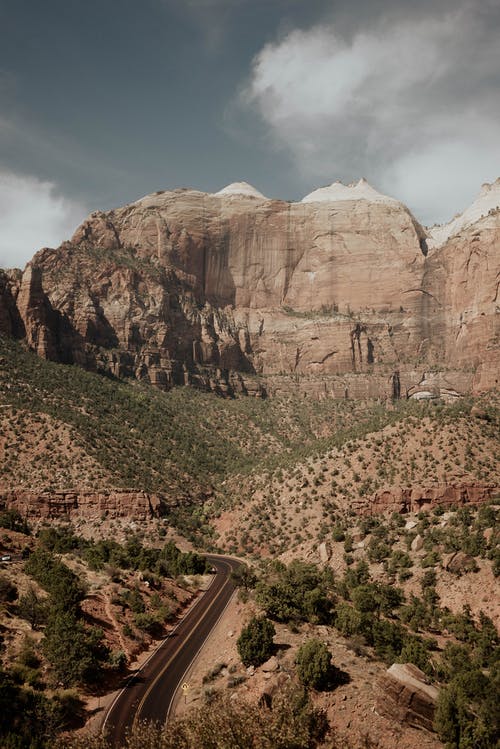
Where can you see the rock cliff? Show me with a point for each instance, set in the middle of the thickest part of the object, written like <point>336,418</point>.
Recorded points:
<point>50,505</point>
<point>234,292</point>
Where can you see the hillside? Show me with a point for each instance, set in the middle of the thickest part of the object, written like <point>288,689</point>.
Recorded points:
<point>411,458</point>
<point>291,478</point>
<point>65,429</point>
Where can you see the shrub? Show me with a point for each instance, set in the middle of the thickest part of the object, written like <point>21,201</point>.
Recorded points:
<point>33,608</point>
<point>294,593</point>
<point>313,663</point>
<point>75,653</point>
<point>255,643</point>
<point>13,520</point>
<point>291,723</point>
<point>8,591</point>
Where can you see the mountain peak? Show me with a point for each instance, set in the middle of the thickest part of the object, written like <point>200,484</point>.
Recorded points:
<point>241,188</point>
<point>487,200</point>
<point>337,191</point>
<point>487,188</point>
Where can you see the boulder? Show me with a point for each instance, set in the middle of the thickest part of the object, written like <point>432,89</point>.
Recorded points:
<point>417,543</point>
<point>410,525</point>
<point>325,551</point>
<point>271,665</point>
<point>458,563</point>
<point>405,695</point>
<point>488,535</point>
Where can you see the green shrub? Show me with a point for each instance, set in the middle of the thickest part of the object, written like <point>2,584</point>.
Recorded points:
<point>8,591</point>
<point>313,663</point>
<point>13,520</point>
<point>298,592</point>
<point>255,643</point>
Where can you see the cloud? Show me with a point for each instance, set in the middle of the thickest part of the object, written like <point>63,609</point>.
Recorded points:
<point>412,104</point>
<point>33,215</point>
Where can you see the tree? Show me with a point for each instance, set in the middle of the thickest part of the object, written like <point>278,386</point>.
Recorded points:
<point>63,584</point>
<point>292,723</point>
<point>314,666</point>
<point>243,577</point>
<point>255,643</point>
<point>14,521</point>
<point>74,652</point>
<point>365,598</point>
<point>33,608</point>
<point>298,592</point>
<point>8,591</point>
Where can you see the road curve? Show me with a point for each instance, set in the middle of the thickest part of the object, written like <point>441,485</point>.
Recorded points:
<point>148,694</point>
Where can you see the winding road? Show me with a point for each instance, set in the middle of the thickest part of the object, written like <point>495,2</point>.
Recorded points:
<point>149,693</point>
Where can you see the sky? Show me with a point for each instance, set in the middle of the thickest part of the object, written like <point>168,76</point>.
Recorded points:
<point>104,101</point>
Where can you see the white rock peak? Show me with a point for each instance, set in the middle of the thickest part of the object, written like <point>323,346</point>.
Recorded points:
<point>241,188</point>
<point>337,191</point>
<point>487,200</point>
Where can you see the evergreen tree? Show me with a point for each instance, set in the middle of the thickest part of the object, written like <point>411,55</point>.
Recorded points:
<point>255,643</point>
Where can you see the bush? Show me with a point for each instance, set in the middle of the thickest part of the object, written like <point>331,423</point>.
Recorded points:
<point>149,623</point>
<point>313,663</point>
<point>33,608</point>
<point>75,653</point>
<point>63,585</point>
<point>295,593</point>
<point>255,643</point>
<point>8,591</point>
<point>291,723</point>
<point>13,520</point>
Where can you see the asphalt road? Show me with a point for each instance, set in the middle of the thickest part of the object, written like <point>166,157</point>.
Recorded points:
<point>149,693</point>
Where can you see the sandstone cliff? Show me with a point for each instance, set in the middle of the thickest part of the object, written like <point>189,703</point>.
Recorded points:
<point>50,505</point>
<point>238,293</point>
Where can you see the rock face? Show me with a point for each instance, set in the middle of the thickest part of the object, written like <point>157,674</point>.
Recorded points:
<point>234,292</point>
<point>11,323</point>
<point>49,505</point>
<point>415,499</point>
<point>406,696</point>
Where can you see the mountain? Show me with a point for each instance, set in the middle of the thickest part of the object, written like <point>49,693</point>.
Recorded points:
<point>486,202</point>
<point>343,294</point>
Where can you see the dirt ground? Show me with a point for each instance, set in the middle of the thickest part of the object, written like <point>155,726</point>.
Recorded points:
<point>350,707</point>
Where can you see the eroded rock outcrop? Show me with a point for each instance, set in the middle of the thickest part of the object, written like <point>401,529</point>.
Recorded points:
<point>405,695</point>
<point>50,505</point>
<point>11,323</point>
<point>415,499</point>
<point>234,292</point>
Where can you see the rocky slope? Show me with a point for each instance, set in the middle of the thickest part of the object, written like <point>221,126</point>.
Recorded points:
<point>234,292</point>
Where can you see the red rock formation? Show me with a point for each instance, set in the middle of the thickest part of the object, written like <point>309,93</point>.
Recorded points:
<point>49,505</point>
<point>462,282</point>
<point>237,293</point>
<point>405,695</point>
<point>425,498</point>
<point>10,320</point>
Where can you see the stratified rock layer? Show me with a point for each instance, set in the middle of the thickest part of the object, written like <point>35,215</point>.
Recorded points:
<point>405,695</point>
<point>416,499</point>
<point>238,293</point>
<point>50,505</point>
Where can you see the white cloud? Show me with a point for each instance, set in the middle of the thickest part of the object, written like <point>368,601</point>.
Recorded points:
<point>442,180</point>
<point>32,216</point>
<point>413,106</point>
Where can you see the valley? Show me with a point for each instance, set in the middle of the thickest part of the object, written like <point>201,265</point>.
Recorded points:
<point>311,387</point>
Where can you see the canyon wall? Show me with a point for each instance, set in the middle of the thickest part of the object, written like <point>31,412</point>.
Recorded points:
<point>70,505</point>
<point>240,294</point>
